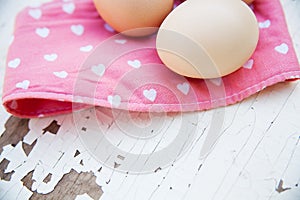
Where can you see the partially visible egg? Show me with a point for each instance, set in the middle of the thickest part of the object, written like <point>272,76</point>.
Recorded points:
<point>207,38</point>
<point>134,17</point>
<point>248,1</point>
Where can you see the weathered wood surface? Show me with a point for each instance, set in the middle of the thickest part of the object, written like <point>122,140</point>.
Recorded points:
<point>72,183</point>
<point>256,157</point>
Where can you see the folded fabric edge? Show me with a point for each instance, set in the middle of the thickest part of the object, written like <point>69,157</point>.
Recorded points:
<point>41,104</point>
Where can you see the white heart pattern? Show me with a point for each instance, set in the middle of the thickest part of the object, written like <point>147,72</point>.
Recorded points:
<point>77,29</point>
<point>87,48</point>
<point>14,63</point>
<point>265,24</point>
<point>283,48</point>
<point>249,64</point>
<point>42,32</point>
<point>115,101</point>
<point>68,8</point>
<point>120,41</point>
<point>98,69</point>
<point>150,94</point>
<point>50,57</point>
<point>184,88</point>
<point>35,13</point>
<point>62,74</point>
<point>134,63</point>
<point>41,115</point>
<point>23,85</point>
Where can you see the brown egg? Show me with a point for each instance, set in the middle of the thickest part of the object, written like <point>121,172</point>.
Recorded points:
<point>248,1</point>
<point>133,17</point>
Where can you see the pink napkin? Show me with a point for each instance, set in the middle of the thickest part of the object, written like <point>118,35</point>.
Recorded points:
<point>64,57</point>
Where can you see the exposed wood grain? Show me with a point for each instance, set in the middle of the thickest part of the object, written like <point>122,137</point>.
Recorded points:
<point>5,176</point>
<point>16,129</point>
<point>71,185</point>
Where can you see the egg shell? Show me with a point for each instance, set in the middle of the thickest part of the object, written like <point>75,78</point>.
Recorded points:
<point>134,17</point>
<point>248,1</point>
<point>208,38</point>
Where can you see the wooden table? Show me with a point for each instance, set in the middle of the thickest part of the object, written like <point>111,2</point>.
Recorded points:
<point>257,155</point>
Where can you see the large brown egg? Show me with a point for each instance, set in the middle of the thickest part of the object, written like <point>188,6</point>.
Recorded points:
<point>134,17</point>
<point>207,38</point>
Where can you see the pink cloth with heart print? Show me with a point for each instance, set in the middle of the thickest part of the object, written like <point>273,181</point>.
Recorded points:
<point>53,68</point>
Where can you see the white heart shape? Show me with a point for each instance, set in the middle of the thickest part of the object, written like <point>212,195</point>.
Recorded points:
<point>98,69</point>
<point>77,29</point>
<point>115,101</point>
<point>120,41</point>
<point>109,28</point>
<point>42,32</point>
<point>14,63</point>
<point>87,48</point>
<point>35,13</point>
<point>23,85</point>
<point>41,115</point>
<point>283,48</point>
<point>68,8</point>
<point>216,81</point>
<point>50,57</point>
<point>150,94</point>
<point>134,63</point>
<point>249,64</point>
<point>62,74</point>
<point>184,88</point>
<point>265,24</point>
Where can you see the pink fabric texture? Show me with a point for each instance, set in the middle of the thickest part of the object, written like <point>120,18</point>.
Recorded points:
<point>64,57</point>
